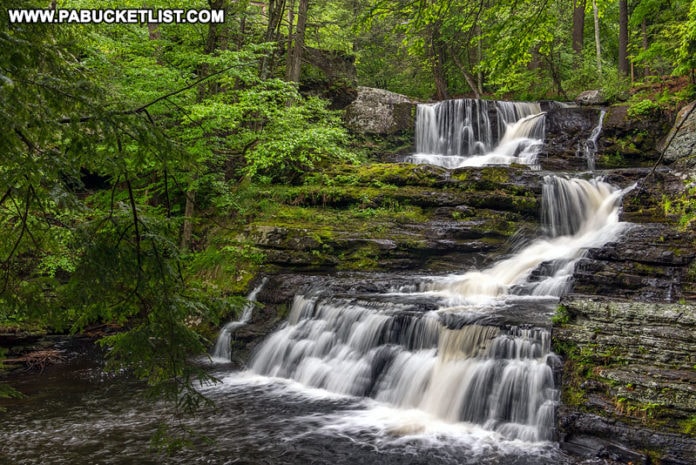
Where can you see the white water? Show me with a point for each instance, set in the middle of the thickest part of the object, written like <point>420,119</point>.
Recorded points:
<point>576,215</point>
<point>498,378</point>
<point>590,148</point>
<point>458,133</point>
<point>222,351</point>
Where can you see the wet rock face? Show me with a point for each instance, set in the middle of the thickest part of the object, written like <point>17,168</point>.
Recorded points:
<point>651,263</point>
<point>607,442</point>
<point>654,260</point>
<point>378,111</point>
<point>628,140</point>
<point>457,217</point>
<point>627,335</point>
<point>567,129</point>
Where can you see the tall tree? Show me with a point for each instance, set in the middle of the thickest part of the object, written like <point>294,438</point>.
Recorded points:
<point>296,45</point>
<point>578,26</point>
<point>275,12</point>
<point>623,38</point>
<point>598,46</point>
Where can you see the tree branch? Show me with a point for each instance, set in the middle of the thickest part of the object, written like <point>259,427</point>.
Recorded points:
<point>134,210</point>
<point>142,108</point>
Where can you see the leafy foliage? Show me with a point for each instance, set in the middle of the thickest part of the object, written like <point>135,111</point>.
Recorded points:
<point>295,140</point>
<point>108,128</point>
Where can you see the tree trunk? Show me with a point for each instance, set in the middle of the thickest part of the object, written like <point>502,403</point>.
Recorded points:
<point>598,46</point>
<point>623,38</point>
<point>188,224</point>
<point>468,77</point>
<point>578,26</point>
<point>276,9</point>
<point>295,56</point>
<point>290,49</point>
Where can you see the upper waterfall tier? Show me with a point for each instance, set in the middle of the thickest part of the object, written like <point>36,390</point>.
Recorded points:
<point>470,132</point>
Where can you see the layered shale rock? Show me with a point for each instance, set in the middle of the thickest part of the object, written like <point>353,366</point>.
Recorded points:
<point>629,381</point>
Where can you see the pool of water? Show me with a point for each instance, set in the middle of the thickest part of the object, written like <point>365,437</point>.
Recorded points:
<point>77,414</point>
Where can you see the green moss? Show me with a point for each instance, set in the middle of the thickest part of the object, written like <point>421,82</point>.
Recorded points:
<point>575,373</point>
<point>525,203</point>
<point>582,380</point>
<point>322,223</point>
<point>650,414</point>
<point>691,272</point>
<point>379,175</point>
<point>654,456</point>
<point>496,174</point>
<point>644,107</point>
<point>688,426</point>
<point>573,396</point>
<point>226,266</point>
<point>363,258</point>
<point>282,311</point>
<point>460,175</point>
<point>614,160</point>
<point>682,208</point>
<point>561,316</point>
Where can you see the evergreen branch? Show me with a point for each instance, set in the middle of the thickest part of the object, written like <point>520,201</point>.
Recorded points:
<point>136,221</point>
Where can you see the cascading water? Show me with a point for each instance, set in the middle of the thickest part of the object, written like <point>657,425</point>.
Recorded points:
<point>576,215</point>
<point>457,133</point>
<point>590,146</point>
<point>448,363</point>
<point>497,378</point>
<point>222,351</point>
<point>454,127</point>
<point>439,370</point>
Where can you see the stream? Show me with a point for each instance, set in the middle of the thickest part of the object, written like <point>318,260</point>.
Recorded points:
<point>77,414</point>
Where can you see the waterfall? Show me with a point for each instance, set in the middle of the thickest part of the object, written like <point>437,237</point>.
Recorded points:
<point>446,363</point>
<point>497,378</point>
<point>457,133</point>
<point>590,148</point>
<point>576,215</point>
<point>454,127</point>
<point>222,351</point>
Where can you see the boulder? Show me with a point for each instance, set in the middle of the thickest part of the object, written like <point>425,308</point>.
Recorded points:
<point>680,143</point>
<point>591,97</point>
<point>378,111</point>
<point>630,140</point>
